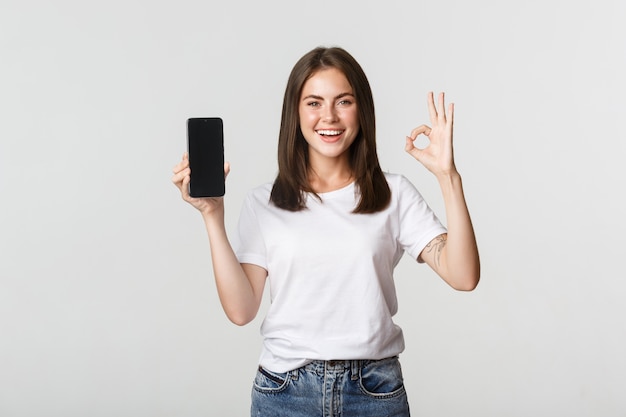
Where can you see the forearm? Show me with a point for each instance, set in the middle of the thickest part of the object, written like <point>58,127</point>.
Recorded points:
<point>240,300</point>
<point>459,258</point>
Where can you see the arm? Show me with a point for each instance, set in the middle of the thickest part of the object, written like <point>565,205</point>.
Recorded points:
<point>454,256</point>
<point>239,286</point>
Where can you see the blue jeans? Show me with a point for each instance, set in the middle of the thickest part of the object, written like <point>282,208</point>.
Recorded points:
<point>355,388</point>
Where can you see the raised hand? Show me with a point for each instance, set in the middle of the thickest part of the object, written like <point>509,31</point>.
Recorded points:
<point>239,286</point>
<point>456,256</point>
<point>438,156</point>
<point>181,177</point>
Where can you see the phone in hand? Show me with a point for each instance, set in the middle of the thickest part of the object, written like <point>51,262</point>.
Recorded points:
<point>205,144</point>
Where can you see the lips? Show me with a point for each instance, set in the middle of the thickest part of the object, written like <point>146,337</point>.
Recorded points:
<point>329,132</point>
<point>329,135</point>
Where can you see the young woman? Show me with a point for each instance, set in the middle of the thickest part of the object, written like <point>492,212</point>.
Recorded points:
<point>327,234</point>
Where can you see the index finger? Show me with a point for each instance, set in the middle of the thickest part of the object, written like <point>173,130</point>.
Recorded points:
<point>181,165</point>
<point>423,129</point>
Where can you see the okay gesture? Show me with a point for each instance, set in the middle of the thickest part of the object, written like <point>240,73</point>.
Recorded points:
<point>438,156</point>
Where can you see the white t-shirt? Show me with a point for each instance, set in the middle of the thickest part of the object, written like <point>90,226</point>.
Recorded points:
<point>331,272</point>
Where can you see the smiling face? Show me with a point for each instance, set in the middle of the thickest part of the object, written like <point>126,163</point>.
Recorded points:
<point>329,120</point>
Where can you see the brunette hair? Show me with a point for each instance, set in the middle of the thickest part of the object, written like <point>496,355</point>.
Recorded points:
<point>291,184</point>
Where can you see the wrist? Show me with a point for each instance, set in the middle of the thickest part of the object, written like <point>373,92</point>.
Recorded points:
<point>213,214</point>
<point>448,177</point>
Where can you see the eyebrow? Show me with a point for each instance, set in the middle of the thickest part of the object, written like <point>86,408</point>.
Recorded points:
<point>316,97</point>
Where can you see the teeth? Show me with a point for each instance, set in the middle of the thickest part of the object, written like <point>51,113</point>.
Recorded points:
<point>330,132</point>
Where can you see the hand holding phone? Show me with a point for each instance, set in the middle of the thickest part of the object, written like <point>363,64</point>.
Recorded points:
<point>205,143</point>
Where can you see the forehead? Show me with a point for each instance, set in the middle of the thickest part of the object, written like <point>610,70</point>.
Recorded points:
<point>327,81</point>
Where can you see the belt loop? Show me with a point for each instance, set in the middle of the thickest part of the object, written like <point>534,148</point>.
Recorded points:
<point>356,366</point>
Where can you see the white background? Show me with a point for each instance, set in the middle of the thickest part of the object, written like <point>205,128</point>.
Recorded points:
<point>107,300</point>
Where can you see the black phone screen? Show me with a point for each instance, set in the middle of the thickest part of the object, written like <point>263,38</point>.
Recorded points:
<point>205,140</point>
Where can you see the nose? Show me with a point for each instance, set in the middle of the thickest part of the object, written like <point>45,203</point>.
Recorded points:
<point>330,114</point>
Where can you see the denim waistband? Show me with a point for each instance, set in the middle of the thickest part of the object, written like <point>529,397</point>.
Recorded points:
<point>338,366</point>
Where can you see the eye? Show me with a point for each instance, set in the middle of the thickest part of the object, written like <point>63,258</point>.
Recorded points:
<point>345,102</point>
<point>313,104</point>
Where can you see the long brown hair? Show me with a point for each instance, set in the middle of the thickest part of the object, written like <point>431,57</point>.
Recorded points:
<point>291,184</point>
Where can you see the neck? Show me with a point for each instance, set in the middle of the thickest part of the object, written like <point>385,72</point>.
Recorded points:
<point>330,177</point>
<point>325,185</point>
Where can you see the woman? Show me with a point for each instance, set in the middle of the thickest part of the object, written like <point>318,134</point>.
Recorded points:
<point>328,233</point>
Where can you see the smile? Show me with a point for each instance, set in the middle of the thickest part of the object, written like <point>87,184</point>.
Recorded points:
<point>329,132</point>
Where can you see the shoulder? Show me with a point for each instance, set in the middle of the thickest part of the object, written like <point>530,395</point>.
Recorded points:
<point>259,194</point>
<point>262,189</point>
<point>399,184</point>
<point>404,194</point>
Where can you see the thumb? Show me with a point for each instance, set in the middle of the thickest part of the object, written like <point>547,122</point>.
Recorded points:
<point>411,149</point>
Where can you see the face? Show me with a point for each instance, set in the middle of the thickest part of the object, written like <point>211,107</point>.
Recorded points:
<point>328,115</point>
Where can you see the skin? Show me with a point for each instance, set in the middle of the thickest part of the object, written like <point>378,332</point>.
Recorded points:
<point>454,256</point>
<point>327,103</point>
<point>239,286</point>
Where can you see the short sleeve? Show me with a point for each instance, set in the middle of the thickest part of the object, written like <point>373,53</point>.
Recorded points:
<point>249,243</point>
<point>418,223</point>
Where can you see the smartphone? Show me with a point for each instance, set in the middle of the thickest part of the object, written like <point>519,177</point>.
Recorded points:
<point>205,144</point>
